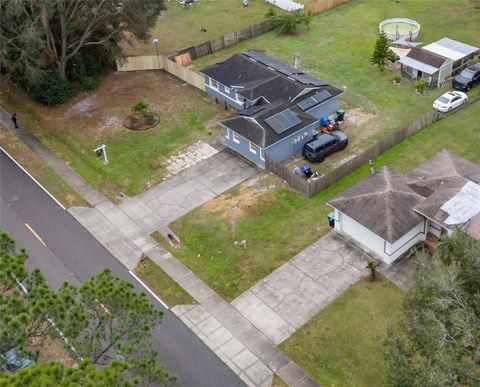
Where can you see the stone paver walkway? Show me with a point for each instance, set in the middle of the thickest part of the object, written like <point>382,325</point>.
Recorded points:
<point>289,297</point>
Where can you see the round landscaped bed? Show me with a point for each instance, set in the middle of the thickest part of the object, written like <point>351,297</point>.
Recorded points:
<point>138,121</point>
<point>400,27</point>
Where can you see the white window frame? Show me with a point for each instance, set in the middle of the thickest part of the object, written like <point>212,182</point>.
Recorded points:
<point>253,147</point>
<point>227,89</point>
<point>227,133</point>
<point>239,98</point>
<point>262,154</point>
<point>212,83</point>
<point>236,137</point>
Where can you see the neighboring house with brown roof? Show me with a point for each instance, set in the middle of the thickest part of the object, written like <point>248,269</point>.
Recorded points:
<point>422,64</point>
<point>437,61</point>
<point>389,213</point>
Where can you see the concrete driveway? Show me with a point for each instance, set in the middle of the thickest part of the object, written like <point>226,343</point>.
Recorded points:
<point>289,297</point>
<point>167,201</point>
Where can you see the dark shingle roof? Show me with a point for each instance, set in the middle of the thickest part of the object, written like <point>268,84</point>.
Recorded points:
<point>443,171</point>
<point>238,70</point>
<point>256,130</point>
<point>427,57</point>
<point>443,176</point>
<point>383,203</point>
<point>281,87</point>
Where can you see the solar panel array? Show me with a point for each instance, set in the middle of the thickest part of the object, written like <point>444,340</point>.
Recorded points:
<point>314,100</point>
<point>285,69</point>
<point>283,121</point>
<point>250,111</point>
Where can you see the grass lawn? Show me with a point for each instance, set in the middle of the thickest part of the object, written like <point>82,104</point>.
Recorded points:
<point>181,27</point>
<point>342,345</point>
<point>277,382</point>
<point>162,284</point>
<point>137,158</point>
<point>38,169</point>
<point>278,223</point>
<point>338,46</point>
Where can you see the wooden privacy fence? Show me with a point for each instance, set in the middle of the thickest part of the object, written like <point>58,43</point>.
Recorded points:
<point>308,188</point>
<point>213,45</point>
<point>322,5</point>
<point>160,62</point>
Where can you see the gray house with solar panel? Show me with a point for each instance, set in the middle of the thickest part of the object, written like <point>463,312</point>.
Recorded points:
<point>279,106</point>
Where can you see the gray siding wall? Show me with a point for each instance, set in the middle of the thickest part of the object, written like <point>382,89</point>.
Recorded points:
<point>325,109</point>
<point>228,96</point>
<point>243,148</point>
<point>291,145</point>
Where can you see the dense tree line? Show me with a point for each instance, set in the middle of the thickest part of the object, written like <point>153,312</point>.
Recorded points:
<point>60,45</point>
<point>105,322</point>
<point>437,342</point>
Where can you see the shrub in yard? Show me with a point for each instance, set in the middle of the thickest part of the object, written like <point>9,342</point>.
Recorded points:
<point>140,107</point>
<point>372,267</point>
<point>421,84</point>
<point>397,78</point>
<point>150,120</point>
<point>289,23</point>
<point>88,83</point>
<point>50,89</point>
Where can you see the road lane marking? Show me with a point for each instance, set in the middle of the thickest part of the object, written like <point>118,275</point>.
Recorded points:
<point>149,290</point>
<point>35,234</point>
<point>31,177</point>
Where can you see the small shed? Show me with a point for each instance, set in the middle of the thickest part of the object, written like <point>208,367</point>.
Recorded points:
<point>422,64</point>
<point>459,53</point>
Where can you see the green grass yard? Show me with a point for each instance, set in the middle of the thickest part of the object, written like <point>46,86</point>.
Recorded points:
<point>137,158</point>
<point>162,284</point>
<point>343,344</point>
<point>181,27</point>
<point>338,46</point>
<point>278,223</point>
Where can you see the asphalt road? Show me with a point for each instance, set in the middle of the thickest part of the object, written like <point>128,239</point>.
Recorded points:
<point>67,251</point>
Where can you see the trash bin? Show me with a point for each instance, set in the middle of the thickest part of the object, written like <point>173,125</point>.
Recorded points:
<point>331,219</point>
<point>324,121</point>
<point>340,114</point>
<point>307,171</point>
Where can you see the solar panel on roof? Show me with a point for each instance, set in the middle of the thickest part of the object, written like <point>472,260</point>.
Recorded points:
<point>313,100</point>
<point>285,69</point>
<point>321,96</point>
<point>283,121</point>
<point>251,110</point>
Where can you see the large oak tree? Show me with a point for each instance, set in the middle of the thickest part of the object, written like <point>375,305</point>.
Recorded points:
<point>49,33</point>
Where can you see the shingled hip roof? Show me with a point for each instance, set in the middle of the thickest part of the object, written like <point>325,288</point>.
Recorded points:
<point>383,203</point>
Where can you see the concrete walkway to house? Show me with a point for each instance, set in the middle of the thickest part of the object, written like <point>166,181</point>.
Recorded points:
<point>124,230</point>
<point>289,297</point>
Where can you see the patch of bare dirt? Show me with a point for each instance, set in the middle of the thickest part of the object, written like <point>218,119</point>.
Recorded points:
<point>53,350</point>
<point>357,116</point>
<point>236,204</point>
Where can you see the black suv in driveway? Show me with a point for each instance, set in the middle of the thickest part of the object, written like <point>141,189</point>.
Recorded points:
<point>325,144</point>
<point>468,78</point>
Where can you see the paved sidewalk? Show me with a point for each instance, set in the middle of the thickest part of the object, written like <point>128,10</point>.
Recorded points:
<point>230,335</point>
<point>90,194</point>
<point>124,230</point>
<point>289,297</point>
